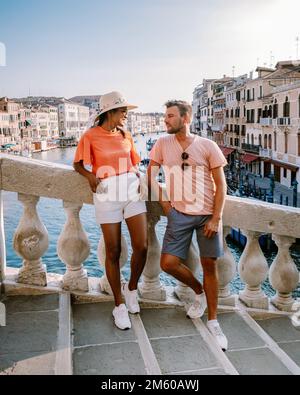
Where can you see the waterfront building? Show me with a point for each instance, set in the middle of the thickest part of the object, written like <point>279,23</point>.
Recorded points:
<point>44,122</point>
<point>202,108</point>
<point>73,119</point>
<point>12,110</point>
<point>4,128</point>
<point>138,123</point>
<point>92,102</point>
<point>255,121</point>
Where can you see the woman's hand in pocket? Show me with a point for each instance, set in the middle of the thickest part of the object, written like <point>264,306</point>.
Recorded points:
<point>94,182</point>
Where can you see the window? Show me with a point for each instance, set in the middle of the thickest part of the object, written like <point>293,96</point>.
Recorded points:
<point>299,106</point>
<point>299,144</point>
<point>286,108</point>
<point>270,141</point>
<point>260,91</point>
<point>286,143</point>
<point>259,115</point>
<point>252,139</point>
<point>275,141</point>
<point>285,173</point>
<point>270,112</point>
<point>265,141</point>
<point>260,140</point>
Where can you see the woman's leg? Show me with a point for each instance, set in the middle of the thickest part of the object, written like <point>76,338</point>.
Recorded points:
<point>112,239</point>
<point>137,227</point>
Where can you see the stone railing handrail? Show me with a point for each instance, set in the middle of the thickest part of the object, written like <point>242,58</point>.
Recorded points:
<point>33,179</point>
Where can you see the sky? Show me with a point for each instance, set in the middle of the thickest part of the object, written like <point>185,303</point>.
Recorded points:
<point>150,50</point>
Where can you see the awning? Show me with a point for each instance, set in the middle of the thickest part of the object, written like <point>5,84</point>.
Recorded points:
<point>227,151</point>
<point>288,166</point>
<point>249,158</point>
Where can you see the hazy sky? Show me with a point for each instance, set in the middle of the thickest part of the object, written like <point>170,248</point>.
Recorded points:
<point>152,50</point>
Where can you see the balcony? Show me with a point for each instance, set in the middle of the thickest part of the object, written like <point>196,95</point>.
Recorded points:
<point>266,153</point>
<point>284,121</point>
<point>62,324</point>
<point>254,149</point>
<point>266,122</point>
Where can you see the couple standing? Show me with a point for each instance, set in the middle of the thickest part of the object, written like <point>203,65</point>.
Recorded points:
<point>196,189</point>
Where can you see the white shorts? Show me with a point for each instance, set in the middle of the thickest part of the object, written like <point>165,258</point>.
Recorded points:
<point>118,198</point>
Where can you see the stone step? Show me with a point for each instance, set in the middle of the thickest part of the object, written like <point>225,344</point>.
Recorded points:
<point>183,346</point>
<point>28,342</point>
<point>162,341</point>
<point>251,350</point>
<point>99,347</point>
<point>283,333</point>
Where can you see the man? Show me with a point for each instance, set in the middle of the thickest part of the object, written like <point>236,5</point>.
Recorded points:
<point>197,189</point>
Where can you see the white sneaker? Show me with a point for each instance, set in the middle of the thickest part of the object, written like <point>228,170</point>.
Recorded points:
<point>131,299</point>
<point>218,334</point>
<point>121,317</point>
<point>198,308</point>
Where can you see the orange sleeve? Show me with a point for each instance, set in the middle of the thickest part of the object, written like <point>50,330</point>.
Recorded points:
<point>135,158</point>
<point>83,151</point>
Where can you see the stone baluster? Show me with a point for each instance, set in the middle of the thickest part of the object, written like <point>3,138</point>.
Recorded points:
<point>2,242</point>
<point>227,272</point>
<point>31,242</point>
<point>151,287</point>
<point>104,283</point>
<point>182,291</point>
<point>2,314</point>
<point>73,249</point>
<point>253,270</point>
<point>284,276</point>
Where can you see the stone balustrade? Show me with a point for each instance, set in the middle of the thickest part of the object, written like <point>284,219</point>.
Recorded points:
<point>32,179</point>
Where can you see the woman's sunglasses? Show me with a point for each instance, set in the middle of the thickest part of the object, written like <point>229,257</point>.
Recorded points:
<point>184,156</point>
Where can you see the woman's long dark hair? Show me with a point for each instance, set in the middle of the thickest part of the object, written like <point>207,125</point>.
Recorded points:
<point>102,118</point>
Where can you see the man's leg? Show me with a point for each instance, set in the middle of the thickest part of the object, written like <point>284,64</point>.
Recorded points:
<point>211,285</point>
<point>175,267</point>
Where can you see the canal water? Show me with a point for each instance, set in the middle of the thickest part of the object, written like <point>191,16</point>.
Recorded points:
<point>53,217</point>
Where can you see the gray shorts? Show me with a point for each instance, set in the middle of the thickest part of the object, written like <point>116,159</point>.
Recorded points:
<point>179,235</point>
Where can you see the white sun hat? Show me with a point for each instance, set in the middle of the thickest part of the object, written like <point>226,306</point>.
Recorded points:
<point>113,100</point>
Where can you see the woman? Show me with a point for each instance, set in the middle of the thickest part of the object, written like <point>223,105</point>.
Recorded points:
<point>114,181</point>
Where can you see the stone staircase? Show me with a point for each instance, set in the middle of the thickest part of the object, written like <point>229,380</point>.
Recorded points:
<point>46,335</point>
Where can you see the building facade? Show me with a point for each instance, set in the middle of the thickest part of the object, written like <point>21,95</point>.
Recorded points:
<point>72,119</point>
<point>255,121</point>
<point>140,123</point>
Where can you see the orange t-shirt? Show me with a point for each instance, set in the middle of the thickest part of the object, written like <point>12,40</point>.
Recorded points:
<point>109,153</point>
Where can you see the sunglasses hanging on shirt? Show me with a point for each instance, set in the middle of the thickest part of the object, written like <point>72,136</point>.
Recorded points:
<point>184,156</point>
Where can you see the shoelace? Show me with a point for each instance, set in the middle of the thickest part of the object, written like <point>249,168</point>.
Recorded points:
<point>218,331</point>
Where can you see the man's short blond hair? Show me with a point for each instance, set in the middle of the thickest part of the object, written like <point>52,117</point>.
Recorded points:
<point>183,106</point>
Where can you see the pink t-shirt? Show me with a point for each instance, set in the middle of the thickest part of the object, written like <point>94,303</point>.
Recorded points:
<point>191,191</point>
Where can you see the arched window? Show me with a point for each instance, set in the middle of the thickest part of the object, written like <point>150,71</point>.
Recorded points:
<point>275,141</point>
<point>252,139</point>
<point>286,108</point>
<point>260,140</point>
<point>265,141</point>
<point>270,113</point>
<point>270,141</point>
<point>248,139</point>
